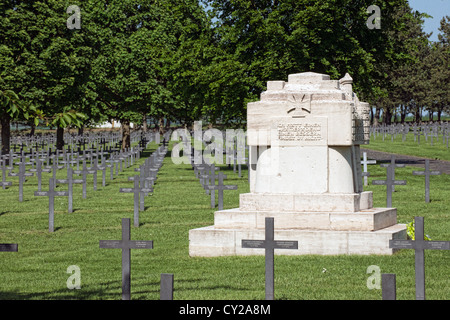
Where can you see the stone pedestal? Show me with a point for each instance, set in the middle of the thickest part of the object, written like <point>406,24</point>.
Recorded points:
<point>338,224</point>
<point>305,172</point>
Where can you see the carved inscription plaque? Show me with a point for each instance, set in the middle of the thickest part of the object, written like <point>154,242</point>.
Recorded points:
<point>300,132</point>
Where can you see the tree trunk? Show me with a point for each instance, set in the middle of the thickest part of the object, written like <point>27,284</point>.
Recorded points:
<point>32,129</point>
<point>167,125</point>
<point>387,116</point>
<point>161,126</point>
<point>59,138</point>
<point>144,123</point>
<point>126,136</point>
<point>6,134</point>
<point>417,116</point>
<point>81,130</point>
<point>376,119</point>
<point>402,114</point>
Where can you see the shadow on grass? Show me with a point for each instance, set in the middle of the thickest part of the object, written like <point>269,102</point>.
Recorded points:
<point>86,292</point>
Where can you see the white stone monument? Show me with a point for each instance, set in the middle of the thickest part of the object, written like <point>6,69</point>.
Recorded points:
<point>304,137</point>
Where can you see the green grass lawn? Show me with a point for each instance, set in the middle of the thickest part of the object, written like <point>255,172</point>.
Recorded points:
<point>39,269</point>
<point>426,149</point>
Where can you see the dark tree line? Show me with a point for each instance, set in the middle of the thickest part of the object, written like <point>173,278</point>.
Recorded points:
<point>186,60</point>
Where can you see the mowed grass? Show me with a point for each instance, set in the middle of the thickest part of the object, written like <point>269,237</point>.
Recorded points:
<point>39,269</point>
<point>431,148</point>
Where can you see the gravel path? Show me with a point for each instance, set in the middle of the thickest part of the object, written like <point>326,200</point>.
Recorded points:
<point>441,165</point>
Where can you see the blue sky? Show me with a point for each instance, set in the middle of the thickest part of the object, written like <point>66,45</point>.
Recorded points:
<point>435,8</point>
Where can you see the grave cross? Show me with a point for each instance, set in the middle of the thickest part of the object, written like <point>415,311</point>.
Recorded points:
<point>39,171</point>
<point>393,166</point>
<point>84,172</point>
<point>21,174</point>
<point>221,187</point>
<point>4,183</point>
<point>70,181</point>
<point>212,181</point>
<point>144,185</point>
<point>269,244</point>
<point>137,191</point>
<point>419,245</point>
<point>54,167</point>
<point>389,182</point>
<point>96,167</point>
<point>126,245</point>
<point>427,173</point>
<point>365,162</point>
<point>51,194</point>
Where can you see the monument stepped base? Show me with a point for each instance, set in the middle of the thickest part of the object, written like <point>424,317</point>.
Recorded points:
<point>345,224</point>
<point>213,242</point>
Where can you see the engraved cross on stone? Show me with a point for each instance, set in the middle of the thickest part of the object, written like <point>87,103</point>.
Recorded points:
<point>269,244</point>
<point>301,105</point>
<point>419,245</point>
<point>126,245</point>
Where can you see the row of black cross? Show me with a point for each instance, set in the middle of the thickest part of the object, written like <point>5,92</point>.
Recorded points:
<point>207,175</point>
<point>107,141</point>
<point>390,181</point>
<point>431,132</point>
<point>143,183</point>
<point>37,160</point>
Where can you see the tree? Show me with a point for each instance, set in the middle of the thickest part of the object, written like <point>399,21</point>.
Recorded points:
<point>135,69</point>
<point>11,108</point>
<point>43,61</point>
<point>267,40</point>
<point>438,64</point>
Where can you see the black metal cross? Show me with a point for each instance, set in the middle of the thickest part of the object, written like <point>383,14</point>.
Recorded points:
<point>126,245</point>
<point>70,181</point>
<point>137,191</point>
<point>212,181</point>
<point>96,167</point>
<point>389,182</point>
<point>39,169</point>
<point>427,173</point>
<point>21,174</point>
<point>4,183</point>
<point>221,187</point>
<point>54,167</point>
<point>51,194</point>
<point>392,165</point>
<point>84,172</point>
<point>269,244</point>
<point>419,245</point>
